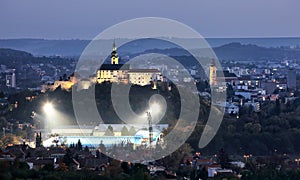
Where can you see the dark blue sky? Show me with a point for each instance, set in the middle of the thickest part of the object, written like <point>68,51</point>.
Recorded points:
<point>71,19</point>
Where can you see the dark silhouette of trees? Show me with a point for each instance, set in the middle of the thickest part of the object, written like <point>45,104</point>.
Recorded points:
<point>86,149</point>
<point>109,131</point>
<point>98,154</point>
<point>102,147</point>
<point>223,158</point>
<point>124,131</point>
<point>68,157</point>
<point>277,108</point>
<point>79,145</point>
<point>132,131</point>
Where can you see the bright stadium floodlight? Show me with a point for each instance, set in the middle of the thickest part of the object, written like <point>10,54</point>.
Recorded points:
<point>49,113</point>
<point>155,108</point>
<point>48,108</point>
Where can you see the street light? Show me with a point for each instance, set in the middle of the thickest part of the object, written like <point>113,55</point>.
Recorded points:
<point>297,161</point>
<point>49,111</point>
<point>155,108</point>
<point>150,128</point>
<point>48,108</point>
<point>246,156</point>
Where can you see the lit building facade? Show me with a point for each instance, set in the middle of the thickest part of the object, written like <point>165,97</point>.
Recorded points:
<point>11,80</point>
<point>121,73</point>
<point>65,85</point>
<point>143,77</point>
<point>213,73</point>
<point>114,73</point>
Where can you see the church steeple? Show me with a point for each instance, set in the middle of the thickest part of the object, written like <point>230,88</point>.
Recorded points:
<point>114,55</point>
<point>213,73</point>
<point>114,46</point>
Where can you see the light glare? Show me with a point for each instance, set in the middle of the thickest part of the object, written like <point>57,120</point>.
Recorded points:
<point>48,108</point>
<point>155,108</point>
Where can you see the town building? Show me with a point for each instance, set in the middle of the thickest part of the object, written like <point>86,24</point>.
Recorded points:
<point>143,77</point>
<point>213,73</point>
<point>291,79</point>
<point>65,84</point>
<point>11,80</point>
<point>91,136</point>
<point>113,73</point>
<point>122,73</point>
<point>231,108</point>
<point>225,77</point>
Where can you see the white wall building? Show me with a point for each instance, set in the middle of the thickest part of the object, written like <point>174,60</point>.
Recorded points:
<point>11,80</point>
<point>231,108</point>
<point>143,77</point>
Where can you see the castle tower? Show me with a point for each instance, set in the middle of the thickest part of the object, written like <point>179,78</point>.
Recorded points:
<point>213,73</point>
<point>114,55</point>
<point>13,80</point>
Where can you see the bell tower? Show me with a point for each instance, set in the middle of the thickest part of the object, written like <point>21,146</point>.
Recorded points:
<point>114,55</point>
<point>213,73</point>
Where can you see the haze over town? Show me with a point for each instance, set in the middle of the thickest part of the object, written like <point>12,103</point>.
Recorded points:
<point>149,108</point>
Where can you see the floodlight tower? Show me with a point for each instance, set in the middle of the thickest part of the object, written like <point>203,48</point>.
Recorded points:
<point>150,127</point>
<point>49,110</point>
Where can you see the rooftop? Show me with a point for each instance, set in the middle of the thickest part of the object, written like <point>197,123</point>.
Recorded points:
<point>227,74</point>
<point>115,67</point>
<point>144,71</point>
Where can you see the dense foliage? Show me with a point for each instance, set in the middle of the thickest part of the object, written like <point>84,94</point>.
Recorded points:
<point>275,129</point>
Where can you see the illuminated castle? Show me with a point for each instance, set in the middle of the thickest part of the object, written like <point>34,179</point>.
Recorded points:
<point>121,73</point>
<point>113,72</point>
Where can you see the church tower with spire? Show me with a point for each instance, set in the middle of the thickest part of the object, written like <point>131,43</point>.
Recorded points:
<point>213,73</point>
<point>114,55</point>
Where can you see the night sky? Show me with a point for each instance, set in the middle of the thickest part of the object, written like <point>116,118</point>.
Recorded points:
<point>71,19</point>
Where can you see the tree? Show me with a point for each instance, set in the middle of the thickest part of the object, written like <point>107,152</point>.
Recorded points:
<point>62,167</point>
<point>176,157</point>
<point>277,108</point>
<point>109,131</point>
<point>202,85</point>
<point>2,95</point>
<point>102,147</point>
<point>86,149</point>
<point>64,77</point>
<point>141,172</point>
<point>114,170</point>
<point>98,154</point>
<point>229,90</point>
<point>223,158</point>
<point>68,158</point>
<point>124,131</point>
<point>79,145</point>
<point>72,145</point>
<point>132,131</point>
<point>48,167</point>
<point>3,122</point>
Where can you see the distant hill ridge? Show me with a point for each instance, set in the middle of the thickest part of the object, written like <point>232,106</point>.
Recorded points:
<point>73,48</point>
<point>6,52</point>
<point>15,58</point>
<point>250,52</point>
